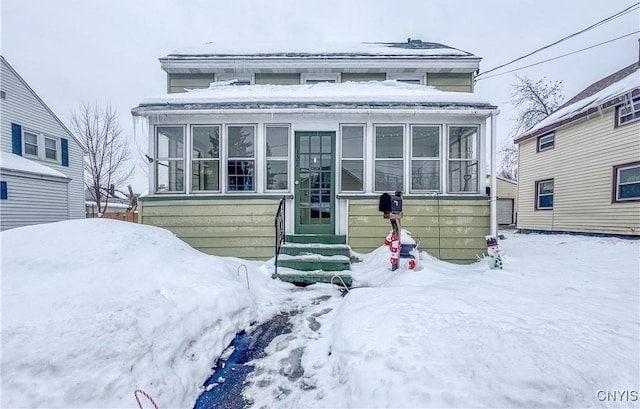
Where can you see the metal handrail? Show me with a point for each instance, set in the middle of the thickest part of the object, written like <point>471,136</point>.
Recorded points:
<point>280,226</point>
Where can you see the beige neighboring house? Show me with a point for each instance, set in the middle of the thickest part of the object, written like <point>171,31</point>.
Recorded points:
<point>579,169</point>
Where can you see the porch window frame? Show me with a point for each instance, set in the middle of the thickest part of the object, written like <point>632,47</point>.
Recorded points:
<point>158,159</point>
<point>439,158</point>
<point>228,158</point>
<point>361,159</point>
<point>616,182</point>
<point>476,158</point>
<point>402,157</point>
<point>193,159</point>
<point>286,159</point>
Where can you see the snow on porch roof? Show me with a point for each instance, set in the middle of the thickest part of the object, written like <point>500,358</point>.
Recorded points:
<point>416,48</point>
<point>10,161</point>
<point>373,94</point>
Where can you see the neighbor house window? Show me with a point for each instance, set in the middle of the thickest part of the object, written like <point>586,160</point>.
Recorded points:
<point>50,148</point>
<point>389,163</point>
<point>626,180</point>
<point>425,158</point>
<point>205,158</point>
<point>169,170</point>
<point>30,144</point>
<point>463,159</point>
<point>544,194</point>
<point>277,158</point>
<point>241,158</point>
<point>628,112</point>
<point>546,141</point>
<point>352,158</point>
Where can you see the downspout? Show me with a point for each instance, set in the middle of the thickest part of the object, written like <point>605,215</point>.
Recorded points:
<point>494,193</point>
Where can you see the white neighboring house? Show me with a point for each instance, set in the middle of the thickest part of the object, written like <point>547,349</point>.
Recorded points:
<point>41,167</point>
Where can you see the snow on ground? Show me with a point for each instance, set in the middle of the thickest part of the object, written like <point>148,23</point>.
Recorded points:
<point>94,309</point>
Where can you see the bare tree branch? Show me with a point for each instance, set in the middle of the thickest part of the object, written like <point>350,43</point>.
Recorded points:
<point>108,154</point>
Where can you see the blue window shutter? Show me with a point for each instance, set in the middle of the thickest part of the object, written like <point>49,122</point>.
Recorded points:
<point>3,190</point>
<point>65,151</point>
<point>16,139</point>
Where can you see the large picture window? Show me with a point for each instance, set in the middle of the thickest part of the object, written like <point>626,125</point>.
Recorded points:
<point>205,160</point>
<point>463,159</point>
<point>626,180</point>
<point>544,194</point>
<point>169,159</point>
<point>241,158</point>
<point>425,158</point>
<point>352,162</point>
<point>389,164</point>
<point>277,153</point>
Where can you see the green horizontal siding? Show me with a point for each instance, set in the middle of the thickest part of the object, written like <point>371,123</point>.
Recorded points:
<point>452,230</point>
<point>451,81</point>
<point>237,227</point>
<point>277,79</point>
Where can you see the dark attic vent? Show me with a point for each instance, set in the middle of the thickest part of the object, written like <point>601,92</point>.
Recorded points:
<point>3,95</point>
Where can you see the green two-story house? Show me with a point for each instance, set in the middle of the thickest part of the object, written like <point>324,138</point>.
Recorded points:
<point>329,128</point>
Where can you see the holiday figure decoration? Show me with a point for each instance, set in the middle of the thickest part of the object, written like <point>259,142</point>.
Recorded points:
<point>495,258</point>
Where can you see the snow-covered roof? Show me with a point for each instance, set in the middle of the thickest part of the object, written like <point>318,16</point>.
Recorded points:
<point>318,49</point>
<point>373,94</point>
<point>14,162</point>
<point>598,95</point>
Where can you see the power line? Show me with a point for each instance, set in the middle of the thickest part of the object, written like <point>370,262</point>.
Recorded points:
<point>555,58</point>
<point>606,20</point>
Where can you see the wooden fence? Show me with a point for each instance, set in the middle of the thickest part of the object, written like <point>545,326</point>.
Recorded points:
<point>127,217</point>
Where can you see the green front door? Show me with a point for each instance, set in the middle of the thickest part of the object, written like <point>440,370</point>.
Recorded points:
<point>314,183</point>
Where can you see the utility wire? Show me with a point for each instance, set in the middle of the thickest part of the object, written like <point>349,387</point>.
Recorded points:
<point>555,58</point>
<point>606,20</point>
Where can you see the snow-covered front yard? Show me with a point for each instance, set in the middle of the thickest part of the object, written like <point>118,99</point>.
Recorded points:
<point>94,309</point>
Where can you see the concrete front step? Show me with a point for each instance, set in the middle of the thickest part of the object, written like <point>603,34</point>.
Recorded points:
<point>316,238</point>
<point>296,249</point>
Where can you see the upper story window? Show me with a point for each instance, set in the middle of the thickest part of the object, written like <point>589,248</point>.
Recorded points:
<point>546,142</point>
<point>205,159</point>
<point>169,169</point>
<point>30,144</point>
<point>544,194</point>
<point>238,79</point>
<point>407,79</point>
<point>352,158</point>
<point>318,78</point>
<point>40,146</point>
<point>277,157</point>
<point>389,158</point>
<point>463,145</point>
<point>626,182</point>
<point>241,141</point>
<point>425,158</point>
<point>628,112</point>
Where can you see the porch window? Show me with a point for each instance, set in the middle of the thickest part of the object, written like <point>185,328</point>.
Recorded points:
<point>352,162</point>
<point>463,159</point>
<point>169,169</point>
<point>205,158</point>
<point>277,154</point>
<point>628,112</point>
<point>51,149</point>
<point>241,158</point>
<point>546,142</point>
<point>389,163</point>
<point>544,194</point>
<point>626,180</point>
<point>30,144</point>
<point>425,158</point>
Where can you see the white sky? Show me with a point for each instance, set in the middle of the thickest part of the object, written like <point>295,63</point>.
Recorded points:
<point>107,51</point>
